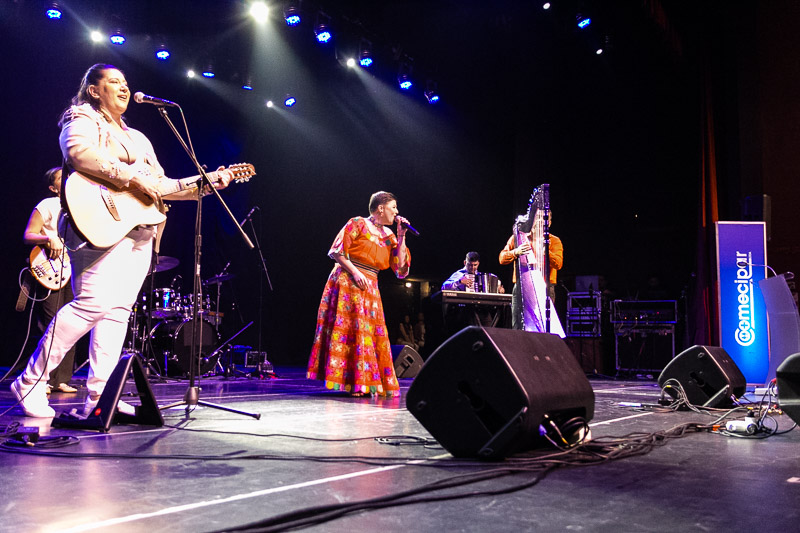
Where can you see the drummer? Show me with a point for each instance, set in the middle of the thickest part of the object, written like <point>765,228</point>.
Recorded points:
<point>470,280</point>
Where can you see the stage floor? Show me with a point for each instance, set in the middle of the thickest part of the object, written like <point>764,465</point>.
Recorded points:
<point>214,470</point>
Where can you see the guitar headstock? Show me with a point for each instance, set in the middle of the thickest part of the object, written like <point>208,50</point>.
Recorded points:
<point>242,172</point>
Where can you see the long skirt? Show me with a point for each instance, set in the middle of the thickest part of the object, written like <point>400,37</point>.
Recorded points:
<point>351,351</point>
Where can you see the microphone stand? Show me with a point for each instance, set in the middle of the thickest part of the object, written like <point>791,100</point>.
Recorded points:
<point>260,284</point>
<point>192,396</point>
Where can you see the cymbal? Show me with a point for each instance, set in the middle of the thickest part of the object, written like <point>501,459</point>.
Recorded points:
<point>218,279</point>
<point>165,263</point>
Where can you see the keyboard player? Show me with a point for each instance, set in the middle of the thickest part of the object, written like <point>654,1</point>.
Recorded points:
<point>469,279</point>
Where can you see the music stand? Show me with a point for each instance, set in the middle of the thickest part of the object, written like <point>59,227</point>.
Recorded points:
<point>192,396</point>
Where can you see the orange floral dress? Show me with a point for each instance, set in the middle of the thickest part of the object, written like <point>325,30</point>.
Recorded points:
<point>351,350</point>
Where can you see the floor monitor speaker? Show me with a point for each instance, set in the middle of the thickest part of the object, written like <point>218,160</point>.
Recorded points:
<point>485,392</point>
<point>106,413</point>
<point>707,374</point>
<point>407,362</point>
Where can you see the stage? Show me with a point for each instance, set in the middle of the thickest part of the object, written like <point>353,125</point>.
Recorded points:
<point>216,470</point>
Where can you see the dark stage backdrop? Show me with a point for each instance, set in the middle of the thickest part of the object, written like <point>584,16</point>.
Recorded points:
<point>615,135</point>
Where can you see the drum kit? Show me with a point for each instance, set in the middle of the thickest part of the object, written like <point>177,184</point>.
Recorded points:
<point>162,332</point>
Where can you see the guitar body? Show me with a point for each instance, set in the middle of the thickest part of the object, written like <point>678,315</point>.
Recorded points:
<point>104,213</point>
<point>50,273</point>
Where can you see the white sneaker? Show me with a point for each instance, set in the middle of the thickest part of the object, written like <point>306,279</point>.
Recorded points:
<point>125,408</point>
<point>32,399</point>
<point>89,405</point>
<point>122,407</point>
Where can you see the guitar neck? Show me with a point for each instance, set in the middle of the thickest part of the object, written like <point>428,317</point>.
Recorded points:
<point>184,184</point>
<point>240,171</point>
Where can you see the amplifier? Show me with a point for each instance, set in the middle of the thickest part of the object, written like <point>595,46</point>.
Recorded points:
<point>583,328</point>
<point>645,312</point>
<point>644,348</point>
<point>246,357</point>
<point>583,304</point>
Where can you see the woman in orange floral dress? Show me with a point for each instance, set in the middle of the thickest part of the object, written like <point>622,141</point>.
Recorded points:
<point>351,351</point>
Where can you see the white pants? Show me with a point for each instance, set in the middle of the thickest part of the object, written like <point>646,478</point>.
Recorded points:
<point>106,283</point>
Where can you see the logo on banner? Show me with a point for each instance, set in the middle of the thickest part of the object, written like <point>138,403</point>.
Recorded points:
<point>745,330</point>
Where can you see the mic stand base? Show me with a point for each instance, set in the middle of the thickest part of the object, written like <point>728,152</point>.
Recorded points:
<point>192,399</point>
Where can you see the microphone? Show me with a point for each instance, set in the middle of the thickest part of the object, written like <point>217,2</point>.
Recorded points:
<point>246,218</point>
<point>141,98</point>
<point>410,228</point>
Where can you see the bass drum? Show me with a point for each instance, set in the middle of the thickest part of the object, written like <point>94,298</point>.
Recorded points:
<point>172,343</point>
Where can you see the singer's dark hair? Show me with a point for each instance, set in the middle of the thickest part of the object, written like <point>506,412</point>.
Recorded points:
<point>91,77</point>
<point>380,198</point>
<point>50,178</point>
<point>473,256</point>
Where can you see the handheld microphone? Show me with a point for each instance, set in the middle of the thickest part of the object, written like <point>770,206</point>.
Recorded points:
<point>410,228</point>
<point>141,98</point>
<point>247,217</point>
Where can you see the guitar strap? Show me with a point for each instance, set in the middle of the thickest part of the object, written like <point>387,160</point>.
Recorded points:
<point>66,170</point>
<point>24,291</point>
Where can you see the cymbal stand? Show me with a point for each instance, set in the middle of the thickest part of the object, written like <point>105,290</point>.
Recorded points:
<point>191,398</point>
<point>217,280</point>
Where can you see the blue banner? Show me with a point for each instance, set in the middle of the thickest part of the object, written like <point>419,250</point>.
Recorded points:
<point>741,260</point>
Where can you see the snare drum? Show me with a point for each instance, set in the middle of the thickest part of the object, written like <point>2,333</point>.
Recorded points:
<point>166,303</point>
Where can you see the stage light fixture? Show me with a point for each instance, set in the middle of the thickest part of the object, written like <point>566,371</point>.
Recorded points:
<point>291,15</point>
<point>404,74</point>
<point>546,6</point>
<point>190,73</point>
<point>583,21</point>
<point>323,35</point>
<point>247,85</point>
<point>322,28</point>
<point>96,36</point>
<point>208,72</point>
<point>269,103</point>
<point>365,58</point>
<point>259,11</point>
<point>289,101</point>
<point>432,92</point>
<point>53,11</point>
<point>117,37</point>
<point>162,54</point>
<point>351,62</point>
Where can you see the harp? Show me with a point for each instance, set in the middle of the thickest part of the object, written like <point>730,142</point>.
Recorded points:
<point>533,272</point>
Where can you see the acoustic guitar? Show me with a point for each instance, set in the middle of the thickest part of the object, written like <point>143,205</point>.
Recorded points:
<point>104,213</point>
